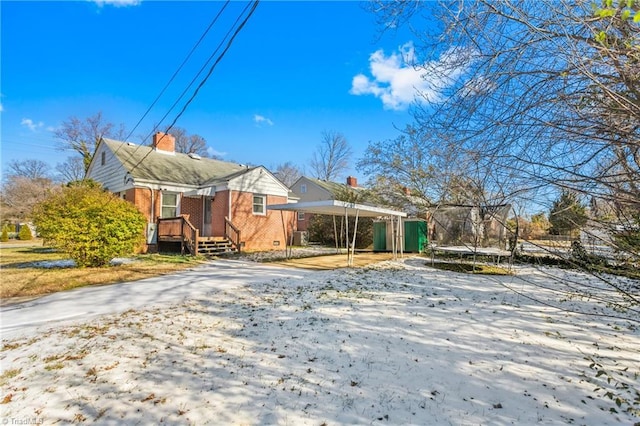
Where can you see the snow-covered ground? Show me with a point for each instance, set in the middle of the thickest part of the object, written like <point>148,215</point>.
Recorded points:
<point>395,343</point>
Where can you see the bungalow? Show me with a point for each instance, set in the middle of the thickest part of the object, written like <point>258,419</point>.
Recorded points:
<point>202,204</point>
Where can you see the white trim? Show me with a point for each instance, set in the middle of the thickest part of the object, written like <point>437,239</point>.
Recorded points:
<point>207,192</point>
<point>177,205</point>
<point>264,204</point>
<point>335,207</point>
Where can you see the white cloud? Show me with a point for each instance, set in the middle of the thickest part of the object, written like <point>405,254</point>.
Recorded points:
<point>1,108</point>
<point>116,3</point>
<point>399,80</point>
<point>212,152</point>
<point>259,119</point>
<point>31,125</point>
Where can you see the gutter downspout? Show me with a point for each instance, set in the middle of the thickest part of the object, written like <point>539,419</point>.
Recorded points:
<point>153,210</point>
<point>128,178</point>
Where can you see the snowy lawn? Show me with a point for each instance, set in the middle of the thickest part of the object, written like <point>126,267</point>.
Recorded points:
<point>389,344</point>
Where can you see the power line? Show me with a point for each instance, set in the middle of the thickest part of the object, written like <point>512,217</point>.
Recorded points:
<point>184,92</point>
<point>211,69</point>
<point>195,46</point>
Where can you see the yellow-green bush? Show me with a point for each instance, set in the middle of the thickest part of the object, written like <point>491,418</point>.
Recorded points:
<point>5,235</point>
<point>90,225</point>
<point>25,233</point>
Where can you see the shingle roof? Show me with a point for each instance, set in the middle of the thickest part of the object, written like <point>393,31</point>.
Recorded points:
<point>144,162</point>
<point>333,187</point>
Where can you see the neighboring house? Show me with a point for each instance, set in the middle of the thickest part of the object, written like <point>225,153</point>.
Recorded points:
<point>310,189</point>
<point>189,199</point>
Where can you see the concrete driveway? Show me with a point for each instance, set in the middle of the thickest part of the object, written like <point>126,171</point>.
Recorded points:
<point>27,318</point>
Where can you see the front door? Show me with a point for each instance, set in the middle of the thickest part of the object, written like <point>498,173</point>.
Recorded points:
<point>206,217</point>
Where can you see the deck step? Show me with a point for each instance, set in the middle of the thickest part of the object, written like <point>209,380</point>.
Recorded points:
<point>212,247</point>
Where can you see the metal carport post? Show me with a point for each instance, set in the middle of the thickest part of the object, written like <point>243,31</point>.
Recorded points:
<point>338,208</point>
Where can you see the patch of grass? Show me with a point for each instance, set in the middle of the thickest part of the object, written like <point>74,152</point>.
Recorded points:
<point>8,375</point>
<point>14,256</point>
<point>470,268</point>
<point>21,280</point>
<point>56,366</point>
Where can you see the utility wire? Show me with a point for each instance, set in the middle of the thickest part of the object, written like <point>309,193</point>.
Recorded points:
<point>184,92</point>
<point>193,49</point>
<point>204,80</point>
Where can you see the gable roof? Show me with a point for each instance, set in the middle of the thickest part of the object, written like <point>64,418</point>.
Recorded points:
<point>145,163</point>
<point>333,188</point>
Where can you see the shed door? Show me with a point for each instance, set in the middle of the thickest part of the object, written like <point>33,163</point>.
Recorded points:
<point>379,236</point>
<point>415,236</point>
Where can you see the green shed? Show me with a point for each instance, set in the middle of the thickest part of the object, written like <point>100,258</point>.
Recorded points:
<point>415,236</point>
<point>380,236</point>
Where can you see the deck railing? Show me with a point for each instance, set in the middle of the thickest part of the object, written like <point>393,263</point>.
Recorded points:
<point>232,234</point>
<point>179,229</point>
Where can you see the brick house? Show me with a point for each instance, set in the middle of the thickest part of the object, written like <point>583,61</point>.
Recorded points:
<point>199,204</point>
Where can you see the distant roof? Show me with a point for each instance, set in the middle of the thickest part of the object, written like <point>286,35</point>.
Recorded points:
<point>333,187</point>
<point>144,162</point>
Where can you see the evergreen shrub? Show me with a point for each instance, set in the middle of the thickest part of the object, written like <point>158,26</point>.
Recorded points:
<point>25,233</point>
<point>89,224</point>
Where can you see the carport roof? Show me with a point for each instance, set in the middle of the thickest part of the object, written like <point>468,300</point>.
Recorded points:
<point>337,208</point>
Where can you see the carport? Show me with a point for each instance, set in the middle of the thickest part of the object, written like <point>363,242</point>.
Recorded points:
<point>337,208</point>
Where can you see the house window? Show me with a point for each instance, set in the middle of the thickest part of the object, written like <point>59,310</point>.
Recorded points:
<point>169,205</point>
<point>103,158</point>
<point>259,204</point>
<point>300,215</point>
<point>303,188</point>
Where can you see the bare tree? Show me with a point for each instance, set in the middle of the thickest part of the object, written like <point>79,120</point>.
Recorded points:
<point>536,98</point>
<point>72,170</point>
<point>83,136</point>
<point>20,194</point>
<point>188,144</point>
<point>331,157</point>
<point>287,173</point>
<point>548,89</point>
<point>30,169</point>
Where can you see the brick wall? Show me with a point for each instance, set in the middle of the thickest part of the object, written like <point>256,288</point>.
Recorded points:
<point>258,232</point>
<point>192,207</point>
<point>141,198</point>
<point>303,225</point>
<point>219,210</point>
<point>261,232</point>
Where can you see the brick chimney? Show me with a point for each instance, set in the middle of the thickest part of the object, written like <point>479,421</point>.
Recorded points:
<point>164,142</point>
<point>352,182</point>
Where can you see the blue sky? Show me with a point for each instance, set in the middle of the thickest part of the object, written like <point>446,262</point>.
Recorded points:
<point>295,70</point>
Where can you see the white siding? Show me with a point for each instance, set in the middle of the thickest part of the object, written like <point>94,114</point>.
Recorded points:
<point>314,191</point>
<point>111,175</point>
<point>258,181</point>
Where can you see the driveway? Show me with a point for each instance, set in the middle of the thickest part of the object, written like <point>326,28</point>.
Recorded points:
<point>27,318</point>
